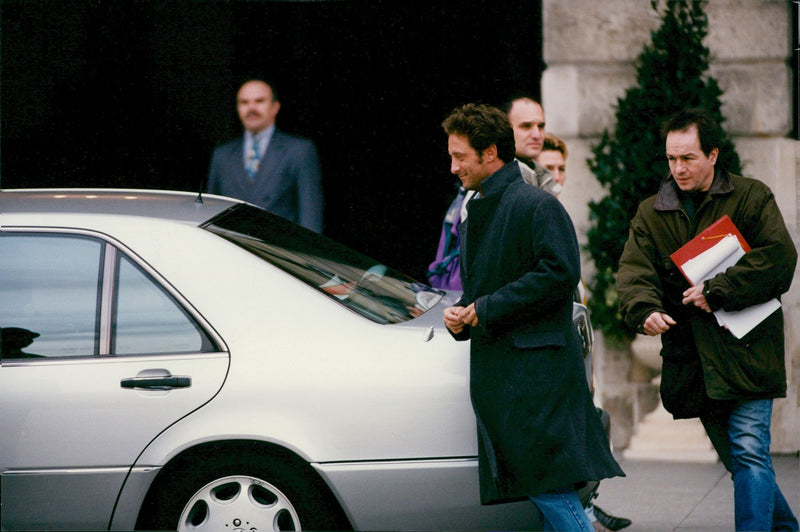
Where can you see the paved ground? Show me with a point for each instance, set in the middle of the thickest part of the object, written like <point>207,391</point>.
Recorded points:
<point>662,496</point>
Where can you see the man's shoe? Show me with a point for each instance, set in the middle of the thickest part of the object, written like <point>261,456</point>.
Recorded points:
<point>609,521</point>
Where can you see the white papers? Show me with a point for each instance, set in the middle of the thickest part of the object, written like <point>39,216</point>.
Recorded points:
<point>741,322</point>
<point>715,260</point>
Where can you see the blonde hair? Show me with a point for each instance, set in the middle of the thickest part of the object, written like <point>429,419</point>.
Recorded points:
<point>553,143</point>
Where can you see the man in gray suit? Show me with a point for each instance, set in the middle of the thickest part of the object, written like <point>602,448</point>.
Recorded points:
<point>267,167</point>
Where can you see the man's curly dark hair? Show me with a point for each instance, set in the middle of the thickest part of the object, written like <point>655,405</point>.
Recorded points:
<point>482,126</point>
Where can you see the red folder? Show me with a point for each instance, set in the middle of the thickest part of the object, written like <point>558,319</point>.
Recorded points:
<point>707,239</point>
<point>738,322</point>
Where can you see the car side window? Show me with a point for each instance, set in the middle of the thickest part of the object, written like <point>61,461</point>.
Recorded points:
<point>51,298</point>
<point>49,295</point>
<point>148,320</point>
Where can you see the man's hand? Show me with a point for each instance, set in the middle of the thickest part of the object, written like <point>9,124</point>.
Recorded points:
<point>452,319</point>
<point>456,318</point>
<point>657,323</point>
<point>694,296</point>
<point>469,316</point>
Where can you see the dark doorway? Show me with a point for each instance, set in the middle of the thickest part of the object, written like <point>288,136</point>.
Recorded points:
<point>136,94</point>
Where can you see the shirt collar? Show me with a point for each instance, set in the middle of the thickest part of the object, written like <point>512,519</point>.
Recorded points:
<point>262,138</point>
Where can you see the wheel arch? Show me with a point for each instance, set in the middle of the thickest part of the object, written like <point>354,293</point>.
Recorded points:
<point>243,449</point>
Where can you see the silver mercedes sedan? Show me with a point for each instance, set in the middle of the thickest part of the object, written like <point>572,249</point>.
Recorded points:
<point>184,362</point>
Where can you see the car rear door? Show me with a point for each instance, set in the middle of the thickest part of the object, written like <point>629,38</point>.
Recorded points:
<point>99,355</point>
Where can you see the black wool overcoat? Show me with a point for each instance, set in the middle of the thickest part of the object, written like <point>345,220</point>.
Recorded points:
<point>538,429</point>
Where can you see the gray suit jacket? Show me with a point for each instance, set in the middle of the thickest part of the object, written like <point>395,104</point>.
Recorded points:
<point>288,182</point>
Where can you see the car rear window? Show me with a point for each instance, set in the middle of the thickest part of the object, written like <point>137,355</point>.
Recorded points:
<point>363,285</point>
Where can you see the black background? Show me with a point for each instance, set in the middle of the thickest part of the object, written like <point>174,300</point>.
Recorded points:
<point>137,93</point>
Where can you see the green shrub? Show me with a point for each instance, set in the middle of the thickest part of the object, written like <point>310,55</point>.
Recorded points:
<point>672,74</point>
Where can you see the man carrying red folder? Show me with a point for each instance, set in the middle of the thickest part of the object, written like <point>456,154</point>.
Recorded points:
<point>728,382</point>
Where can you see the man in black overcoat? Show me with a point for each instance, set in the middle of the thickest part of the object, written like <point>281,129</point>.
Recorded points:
<point>539,435</point>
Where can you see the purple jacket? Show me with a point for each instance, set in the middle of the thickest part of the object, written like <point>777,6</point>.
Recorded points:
<point>445,271</point>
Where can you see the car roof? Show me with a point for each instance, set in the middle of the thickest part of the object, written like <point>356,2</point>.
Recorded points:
<point>168,205</point>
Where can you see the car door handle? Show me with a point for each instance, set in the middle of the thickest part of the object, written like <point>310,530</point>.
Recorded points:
<point>166,382</point>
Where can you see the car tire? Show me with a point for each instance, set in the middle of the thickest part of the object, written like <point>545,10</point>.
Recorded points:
<point>240,492</point>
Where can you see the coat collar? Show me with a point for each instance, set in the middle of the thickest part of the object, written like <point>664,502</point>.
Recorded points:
<point>667,198</point>
<point>501,179</point>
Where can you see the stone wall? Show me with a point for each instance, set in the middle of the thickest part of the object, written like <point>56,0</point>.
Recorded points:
<point>590,49</point>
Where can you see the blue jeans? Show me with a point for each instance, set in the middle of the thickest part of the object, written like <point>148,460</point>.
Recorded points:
<point>562,510</point>
<point>740,433</point>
